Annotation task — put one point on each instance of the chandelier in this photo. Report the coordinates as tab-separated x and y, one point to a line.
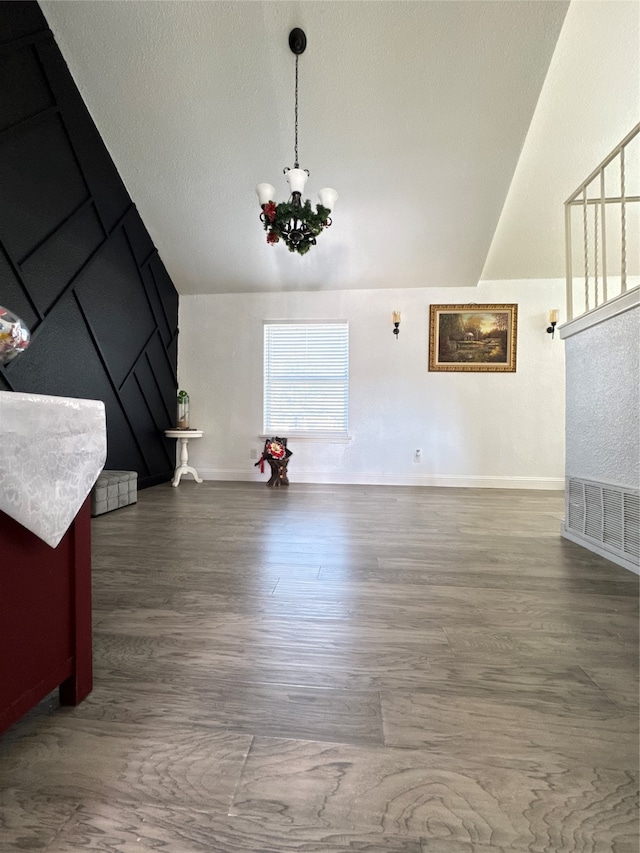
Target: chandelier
295	222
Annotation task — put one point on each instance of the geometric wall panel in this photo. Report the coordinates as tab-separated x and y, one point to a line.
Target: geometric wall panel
165	288
161	368
76	262
112	296
143	424
34	96
13	293
139	239
18	20
107	190
40	183
48	269
157	305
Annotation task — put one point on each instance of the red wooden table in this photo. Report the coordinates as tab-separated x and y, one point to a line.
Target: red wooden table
45	616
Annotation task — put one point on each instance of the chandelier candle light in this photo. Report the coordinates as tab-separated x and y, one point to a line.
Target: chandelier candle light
396	323
295	221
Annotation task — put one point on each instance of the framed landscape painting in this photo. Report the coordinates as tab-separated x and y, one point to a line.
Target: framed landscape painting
473	337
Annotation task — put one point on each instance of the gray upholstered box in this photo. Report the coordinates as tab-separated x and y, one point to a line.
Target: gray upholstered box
114	489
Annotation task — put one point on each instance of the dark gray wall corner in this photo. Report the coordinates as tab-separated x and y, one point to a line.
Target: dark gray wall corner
76	262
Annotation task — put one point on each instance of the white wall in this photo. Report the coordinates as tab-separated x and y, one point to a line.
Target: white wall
474	429
603	401
588	103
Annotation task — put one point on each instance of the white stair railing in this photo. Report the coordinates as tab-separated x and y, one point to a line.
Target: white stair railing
605	211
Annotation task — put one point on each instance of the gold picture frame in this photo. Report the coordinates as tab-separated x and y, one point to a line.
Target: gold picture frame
473	337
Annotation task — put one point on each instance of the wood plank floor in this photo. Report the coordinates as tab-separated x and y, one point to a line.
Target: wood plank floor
340	668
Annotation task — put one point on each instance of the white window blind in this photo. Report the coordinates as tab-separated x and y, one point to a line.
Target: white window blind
306	378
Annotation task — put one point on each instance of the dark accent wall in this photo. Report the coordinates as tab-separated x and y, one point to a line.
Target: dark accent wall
76	262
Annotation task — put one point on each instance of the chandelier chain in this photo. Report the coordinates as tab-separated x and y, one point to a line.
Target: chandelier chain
296	166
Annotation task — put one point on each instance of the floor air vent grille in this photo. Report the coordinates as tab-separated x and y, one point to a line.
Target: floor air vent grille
606	515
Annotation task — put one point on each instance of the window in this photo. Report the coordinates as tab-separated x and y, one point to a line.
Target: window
306	378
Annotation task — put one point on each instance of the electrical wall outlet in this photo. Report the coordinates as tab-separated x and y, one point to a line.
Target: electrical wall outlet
417	455
253	453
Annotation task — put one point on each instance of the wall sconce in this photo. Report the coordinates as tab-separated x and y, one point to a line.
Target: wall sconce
553	320
396	323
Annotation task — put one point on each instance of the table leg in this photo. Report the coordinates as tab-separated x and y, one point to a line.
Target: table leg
184	467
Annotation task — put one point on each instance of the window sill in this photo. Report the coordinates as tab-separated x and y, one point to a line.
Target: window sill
326	437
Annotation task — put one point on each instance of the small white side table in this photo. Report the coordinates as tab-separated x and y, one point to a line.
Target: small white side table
182	436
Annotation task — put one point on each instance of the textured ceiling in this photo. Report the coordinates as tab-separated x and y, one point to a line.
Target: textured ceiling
415	112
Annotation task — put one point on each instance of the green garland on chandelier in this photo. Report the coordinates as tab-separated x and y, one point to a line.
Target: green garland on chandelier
278	216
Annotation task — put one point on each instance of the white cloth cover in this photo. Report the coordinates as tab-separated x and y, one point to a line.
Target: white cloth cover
52	450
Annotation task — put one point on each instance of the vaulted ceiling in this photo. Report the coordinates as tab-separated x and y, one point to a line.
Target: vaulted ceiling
416	112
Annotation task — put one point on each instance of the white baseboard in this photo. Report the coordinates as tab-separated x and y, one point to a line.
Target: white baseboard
602	552
359	479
